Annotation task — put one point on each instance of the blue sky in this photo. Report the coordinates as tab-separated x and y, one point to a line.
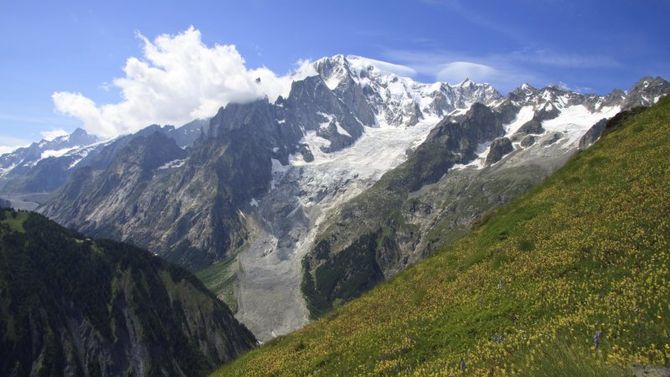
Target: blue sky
80	47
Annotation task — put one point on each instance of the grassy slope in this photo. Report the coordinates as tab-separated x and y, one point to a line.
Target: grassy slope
588	250
220	279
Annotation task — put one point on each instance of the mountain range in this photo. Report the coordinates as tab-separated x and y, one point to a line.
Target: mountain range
287	209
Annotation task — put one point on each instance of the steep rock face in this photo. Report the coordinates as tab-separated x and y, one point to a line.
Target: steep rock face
593	134
312	107
76	307
499	148
191	198
353	95
187	134
135	180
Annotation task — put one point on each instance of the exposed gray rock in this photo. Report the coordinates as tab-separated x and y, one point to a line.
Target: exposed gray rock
187	134
616	97
527	141
593	134
532	127
499	148
309	105
551	139
522	94
646	92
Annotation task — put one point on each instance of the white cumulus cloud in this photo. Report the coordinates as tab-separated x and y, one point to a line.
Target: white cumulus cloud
177	79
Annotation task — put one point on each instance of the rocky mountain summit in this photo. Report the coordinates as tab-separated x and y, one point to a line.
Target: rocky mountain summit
40	167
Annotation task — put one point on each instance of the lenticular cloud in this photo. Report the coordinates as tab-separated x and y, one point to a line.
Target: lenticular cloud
178	79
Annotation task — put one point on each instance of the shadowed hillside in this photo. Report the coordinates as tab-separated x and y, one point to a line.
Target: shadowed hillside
73	306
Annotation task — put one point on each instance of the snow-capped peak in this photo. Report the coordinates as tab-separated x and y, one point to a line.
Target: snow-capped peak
58	146
361	64
467	83
397	99
333	70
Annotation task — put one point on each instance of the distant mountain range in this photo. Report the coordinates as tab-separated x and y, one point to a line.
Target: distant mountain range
307	202
43	167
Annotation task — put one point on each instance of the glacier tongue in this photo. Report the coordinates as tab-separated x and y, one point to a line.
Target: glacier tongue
287	219
524	115
574	121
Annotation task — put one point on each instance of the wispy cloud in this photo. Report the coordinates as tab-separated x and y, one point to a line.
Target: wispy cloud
505	71
529	61
456	71
562	59
454	67
10	143
398	69
479	20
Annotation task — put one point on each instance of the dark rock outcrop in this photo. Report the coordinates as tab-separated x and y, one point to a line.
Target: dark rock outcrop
593	134
532	127
499	148
552	138
527	141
